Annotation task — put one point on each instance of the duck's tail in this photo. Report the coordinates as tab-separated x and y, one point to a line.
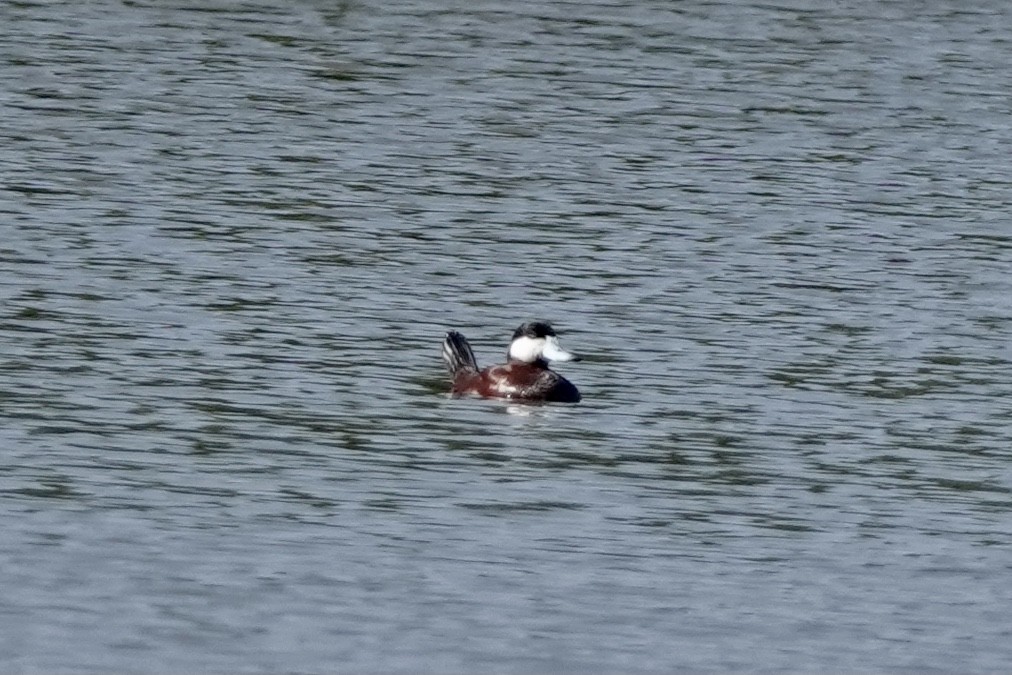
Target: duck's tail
457	353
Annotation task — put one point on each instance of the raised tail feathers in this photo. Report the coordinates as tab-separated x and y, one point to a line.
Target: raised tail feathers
457	353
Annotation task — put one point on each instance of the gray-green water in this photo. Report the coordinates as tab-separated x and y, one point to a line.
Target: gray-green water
232	236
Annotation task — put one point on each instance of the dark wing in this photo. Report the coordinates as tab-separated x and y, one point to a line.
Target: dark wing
531	382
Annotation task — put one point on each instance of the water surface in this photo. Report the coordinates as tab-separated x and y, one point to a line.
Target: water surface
235	233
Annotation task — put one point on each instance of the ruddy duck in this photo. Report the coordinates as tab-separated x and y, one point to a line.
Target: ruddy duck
526	375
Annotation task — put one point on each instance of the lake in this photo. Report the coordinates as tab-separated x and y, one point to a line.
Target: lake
234	235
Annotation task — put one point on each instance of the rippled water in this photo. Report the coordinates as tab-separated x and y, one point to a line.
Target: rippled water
234	235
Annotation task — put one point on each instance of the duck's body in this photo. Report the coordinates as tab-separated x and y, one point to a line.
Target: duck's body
525	376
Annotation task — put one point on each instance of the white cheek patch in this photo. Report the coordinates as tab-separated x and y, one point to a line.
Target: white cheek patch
527	349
